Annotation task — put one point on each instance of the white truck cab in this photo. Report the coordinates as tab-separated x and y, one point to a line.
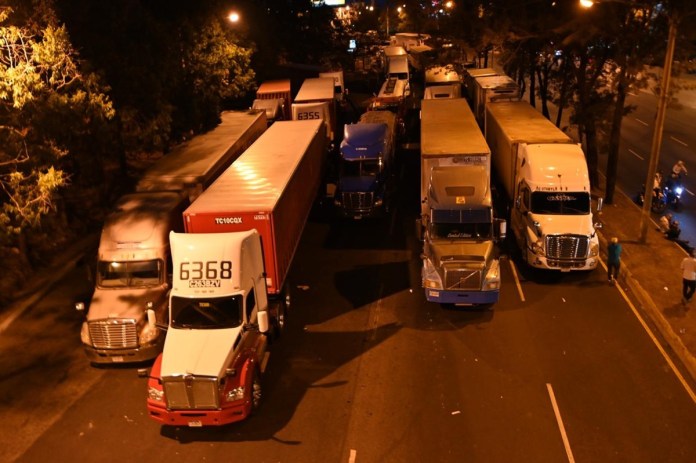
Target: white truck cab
209	370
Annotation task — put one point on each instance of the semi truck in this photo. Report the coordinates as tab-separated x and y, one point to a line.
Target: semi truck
487	89
133	270
132	279
230	270
365	176
278	93
544	174
457	226
339	85
391	97
315	100
475	73
442	82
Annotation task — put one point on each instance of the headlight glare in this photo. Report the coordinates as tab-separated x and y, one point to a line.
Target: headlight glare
155	394
235	394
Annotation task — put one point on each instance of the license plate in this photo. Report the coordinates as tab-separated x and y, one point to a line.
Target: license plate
117	359
195	424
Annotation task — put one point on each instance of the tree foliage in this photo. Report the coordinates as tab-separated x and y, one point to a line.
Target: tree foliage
46	106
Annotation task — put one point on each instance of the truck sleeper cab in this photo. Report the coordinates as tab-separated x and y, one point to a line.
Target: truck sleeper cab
209	371
132	279
365	170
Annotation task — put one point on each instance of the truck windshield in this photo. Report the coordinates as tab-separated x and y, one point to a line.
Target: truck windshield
135	274
367	168
461	231
212	313
566	203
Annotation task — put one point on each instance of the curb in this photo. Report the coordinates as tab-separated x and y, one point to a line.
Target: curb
650	308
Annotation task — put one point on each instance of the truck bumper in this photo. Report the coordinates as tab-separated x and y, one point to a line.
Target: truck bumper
462	297
561	265
198	418
135	355
372	213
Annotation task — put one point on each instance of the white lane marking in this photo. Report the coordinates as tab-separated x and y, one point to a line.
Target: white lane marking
636	154
353	454
642	122
517	280
678	141
559	420
654	339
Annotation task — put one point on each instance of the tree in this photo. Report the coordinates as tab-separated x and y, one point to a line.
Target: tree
47	107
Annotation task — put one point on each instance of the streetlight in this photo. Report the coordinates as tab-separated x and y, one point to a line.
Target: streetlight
233	17
659	120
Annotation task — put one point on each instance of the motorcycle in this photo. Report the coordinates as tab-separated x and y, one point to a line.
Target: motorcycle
672	194
659	200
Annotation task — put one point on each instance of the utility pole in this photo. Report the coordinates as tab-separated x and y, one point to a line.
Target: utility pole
659	126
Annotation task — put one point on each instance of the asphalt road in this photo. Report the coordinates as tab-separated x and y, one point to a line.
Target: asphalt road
678	142
368	371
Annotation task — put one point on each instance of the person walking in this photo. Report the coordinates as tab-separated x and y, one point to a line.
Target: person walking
614	259
688	268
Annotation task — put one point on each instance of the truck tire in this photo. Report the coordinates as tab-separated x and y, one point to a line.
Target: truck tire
255	390
279	320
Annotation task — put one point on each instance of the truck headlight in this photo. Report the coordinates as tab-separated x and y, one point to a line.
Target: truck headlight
84	334
337	202
378	202
492	280
431	279
148	334
235	394
538	248
155	394
594	249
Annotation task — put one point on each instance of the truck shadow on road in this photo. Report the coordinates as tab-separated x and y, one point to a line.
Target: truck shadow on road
300	366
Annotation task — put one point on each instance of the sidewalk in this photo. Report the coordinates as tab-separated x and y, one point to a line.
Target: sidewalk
651	273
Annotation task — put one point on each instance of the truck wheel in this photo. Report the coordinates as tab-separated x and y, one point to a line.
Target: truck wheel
279	320
256	390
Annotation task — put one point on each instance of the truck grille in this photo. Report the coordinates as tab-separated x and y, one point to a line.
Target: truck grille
457	278
357	201
191	392
567	246
113	334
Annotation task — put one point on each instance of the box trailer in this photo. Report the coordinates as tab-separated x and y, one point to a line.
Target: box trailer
315	100
193	165
270	188
277	90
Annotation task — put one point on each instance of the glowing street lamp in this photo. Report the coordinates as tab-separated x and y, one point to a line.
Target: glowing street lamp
233	17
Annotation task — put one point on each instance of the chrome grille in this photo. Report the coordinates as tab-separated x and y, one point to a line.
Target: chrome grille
567	246
113	333
191	392
457	278
357	201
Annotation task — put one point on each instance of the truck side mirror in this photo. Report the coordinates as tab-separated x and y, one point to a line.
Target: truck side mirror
262	318
501	228
600	204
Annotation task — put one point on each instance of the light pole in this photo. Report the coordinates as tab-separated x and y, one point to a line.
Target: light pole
659	120
659	126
